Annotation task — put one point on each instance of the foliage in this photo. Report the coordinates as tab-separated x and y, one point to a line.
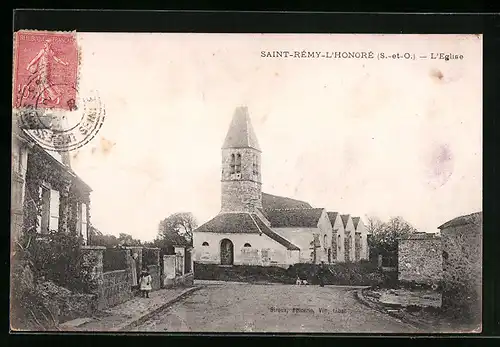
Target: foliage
177	228
114	259
97	238
362	273
49	256
384	235
359	273
150	256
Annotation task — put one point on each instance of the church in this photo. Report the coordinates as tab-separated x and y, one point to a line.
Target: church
255	228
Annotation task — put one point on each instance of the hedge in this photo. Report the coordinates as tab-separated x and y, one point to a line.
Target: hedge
362	273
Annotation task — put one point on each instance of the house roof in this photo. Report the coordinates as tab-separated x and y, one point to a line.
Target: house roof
345	219
473	218
241	133
295	217
279	202
243	223
355	221
231	223
332	216
273	235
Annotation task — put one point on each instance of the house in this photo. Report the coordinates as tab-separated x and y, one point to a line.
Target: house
462	240
420	259
256	228
45	178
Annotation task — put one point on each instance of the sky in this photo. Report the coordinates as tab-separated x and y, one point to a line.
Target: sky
358	136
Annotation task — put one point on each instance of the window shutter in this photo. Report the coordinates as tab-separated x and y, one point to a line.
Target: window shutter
54	210
84	222
39	217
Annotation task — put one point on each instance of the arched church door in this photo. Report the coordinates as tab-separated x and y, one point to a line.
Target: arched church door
226	252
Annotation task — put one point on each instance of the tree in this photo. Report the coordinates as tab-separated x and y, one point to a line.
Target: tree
128	240
384	236
177	225
97	238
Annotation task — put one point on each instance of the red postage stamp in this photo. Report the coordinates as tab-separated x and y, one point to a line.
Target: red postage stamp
45	70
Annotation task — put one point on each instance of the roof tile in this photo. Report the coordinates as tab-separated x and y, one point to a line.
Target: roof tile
295	217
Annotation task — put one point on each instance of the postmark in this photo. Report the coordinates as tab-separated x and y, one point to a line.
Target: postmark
64	130
45	69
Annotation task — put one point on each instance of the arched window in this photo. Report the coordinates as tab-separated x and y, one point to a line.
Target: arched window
232	164
324	240
204	243
238	163
247	245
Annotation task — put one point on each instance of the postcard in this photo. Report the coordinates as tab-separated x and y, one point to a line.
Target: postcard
237	183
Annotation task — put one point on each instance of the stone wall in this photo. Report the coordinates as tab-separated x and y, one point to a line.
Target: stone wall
242	196
116	287
462	269
420	261
109	288
186	280
247	155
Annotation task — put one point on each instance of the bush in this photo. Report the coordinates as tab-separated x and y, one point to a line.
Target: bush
362	273
149	256
242	273
56	257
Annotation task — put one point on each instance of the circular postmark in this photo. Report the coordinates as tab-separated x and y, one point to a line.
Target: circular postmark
63	128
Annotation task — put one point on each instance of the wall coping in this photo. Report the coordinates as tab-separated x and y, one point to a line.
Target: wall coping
94	247
114	271
155	248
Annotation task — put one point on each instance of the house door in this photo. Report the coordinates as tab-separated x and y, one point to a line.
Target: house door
226	252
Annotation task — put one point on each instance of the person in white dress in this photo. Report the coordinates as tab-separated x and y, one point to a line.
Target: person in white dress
145	283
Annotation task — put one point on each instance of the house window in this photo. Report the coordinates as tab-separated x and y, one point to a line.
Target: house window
232	164
247	245
238	163
49	218
54	210
205	244
82	221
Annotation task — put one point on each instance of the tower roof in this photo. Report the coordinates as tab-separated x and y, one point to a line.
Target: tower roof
241	133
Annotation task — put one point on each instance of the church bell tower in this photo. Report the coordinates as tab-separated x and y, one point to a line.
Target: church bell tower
241	181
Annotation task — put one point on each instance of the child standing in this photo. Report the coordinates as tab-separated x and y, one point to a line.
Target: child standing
145	283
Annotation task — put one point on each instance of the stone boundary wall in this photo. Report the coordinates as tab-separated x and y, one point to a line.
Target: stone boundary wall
420	261
116	287
109	288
